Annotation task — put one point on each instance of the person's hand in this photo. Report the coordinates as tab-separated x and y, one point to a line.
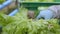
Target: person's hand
46	14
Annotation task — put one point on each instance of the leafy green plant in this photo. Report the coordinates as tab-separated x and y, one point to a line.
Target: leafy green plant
5	19
1	1
23	25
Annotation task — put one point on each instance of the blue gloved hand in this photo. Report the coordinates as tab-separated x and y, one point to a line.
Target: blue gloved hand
46	14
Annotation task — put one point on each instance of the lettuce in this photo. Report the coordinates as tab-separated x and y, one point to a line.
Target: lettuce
1	1
22	25
5	19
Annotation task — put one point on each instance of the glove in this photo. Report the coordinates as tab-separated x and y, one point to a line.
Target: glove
46	14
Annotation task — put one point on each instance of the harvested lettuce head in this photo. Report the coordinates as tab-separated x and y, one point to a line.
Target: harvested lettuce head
28	26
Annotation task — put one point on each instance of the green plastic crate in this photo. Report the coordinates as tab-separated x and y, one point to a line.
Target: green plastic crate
57	0
39	0
35	5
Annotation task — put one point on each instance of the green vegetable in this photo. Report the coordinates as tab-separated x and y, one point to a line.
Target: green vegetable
23	25
4	19
1	1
